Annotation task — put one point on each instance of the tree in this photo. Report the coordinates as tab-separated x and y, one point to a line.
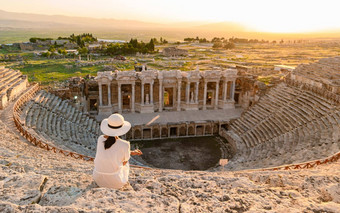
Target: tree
151	45
155	41
134	42
83	51
62	52
217	45
229	45
216	40
203	40
35	39
46	54
52	49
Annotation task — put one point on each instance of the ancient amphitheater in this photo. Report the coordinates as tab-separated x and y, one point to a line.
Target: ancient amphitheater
12	83
285	154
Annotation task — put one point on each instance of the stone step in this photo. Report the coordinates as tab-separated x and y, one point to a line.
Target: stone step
5	78
3	71
11	83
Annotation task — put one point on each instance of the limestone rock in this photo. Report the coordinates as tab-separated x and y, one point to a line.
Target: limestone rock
22	189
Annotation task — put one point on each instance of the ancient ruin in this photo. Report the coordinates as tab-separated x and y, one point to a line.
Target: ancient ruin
58	122
294	121
174	52
281	127
297	120
156	91
12	83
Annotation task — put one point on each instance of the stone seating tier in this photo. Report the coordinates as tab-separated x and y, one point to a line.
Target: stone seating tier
7	75
61	124
10	82
287	125
324	70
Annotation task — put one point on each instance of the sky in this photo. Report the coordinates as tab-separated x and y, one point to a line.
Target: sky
282	16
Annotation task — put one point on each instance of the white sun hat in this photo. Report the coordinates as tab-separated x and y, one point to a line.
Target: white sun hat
115	125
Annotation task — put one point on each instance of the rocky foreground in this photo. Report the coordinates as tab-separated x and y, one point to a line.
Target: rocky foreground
35	180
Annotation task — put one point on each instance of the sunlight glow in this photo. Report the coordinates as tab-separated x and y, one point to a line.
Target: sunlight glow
262	15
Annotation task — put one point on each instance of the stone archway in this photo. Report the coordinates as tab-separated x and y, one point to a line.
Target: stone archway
146	133
137	134
191	130
182	131
216	129
155	133
129	135
164	132
199	130
207	130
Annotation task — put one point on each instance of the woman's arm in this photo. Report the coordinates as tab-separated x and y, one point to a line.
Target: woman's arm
136	152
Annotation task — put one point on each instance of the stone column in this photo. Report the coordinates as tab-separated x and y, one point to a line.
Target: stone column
100	94
196	92
119	98
160	131
151	92
160	96
109	94
225	87
142	91
187	93
205	96
233	90
133	98
179	95
216	94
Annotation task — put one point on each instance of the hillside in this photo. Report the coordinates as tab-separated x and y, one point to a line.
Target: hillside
26	20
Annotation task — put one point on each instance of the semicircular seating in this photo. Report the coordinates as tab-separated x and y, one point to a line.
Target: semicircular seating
61	124
287	125
12	83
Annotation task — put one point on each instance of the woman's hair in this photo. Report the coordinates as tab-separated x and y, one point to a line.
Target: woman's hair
109	142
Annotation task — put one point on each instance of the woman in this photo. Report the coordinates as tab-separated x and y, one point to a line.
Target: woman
111	166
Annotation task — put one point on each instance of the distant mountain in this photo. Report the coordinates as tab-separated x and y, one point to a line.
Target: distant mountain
36	21
16	27
26	20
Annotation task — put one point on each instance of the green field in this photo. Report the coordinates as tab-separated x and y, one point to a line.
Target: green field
56	70
47	71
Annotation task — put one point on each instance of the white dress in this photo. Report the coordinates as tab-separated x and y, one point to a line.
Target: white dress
108	165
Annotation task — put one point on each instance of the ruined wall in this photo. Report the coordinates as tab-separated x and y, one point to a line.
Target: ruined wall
173	52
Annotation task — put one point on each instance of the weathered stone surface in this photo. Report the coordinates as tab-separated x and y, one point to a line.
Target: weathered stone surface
60	196
22	188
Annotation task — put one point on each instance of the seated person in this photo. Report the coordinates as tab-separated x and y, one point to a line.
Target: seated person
111	166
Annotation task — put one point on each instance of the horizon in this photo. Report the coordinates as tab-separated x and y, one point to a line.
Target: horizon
260	16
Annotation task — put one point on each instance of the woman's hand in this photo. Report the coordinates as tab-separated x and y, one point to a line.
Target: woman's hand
136	152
